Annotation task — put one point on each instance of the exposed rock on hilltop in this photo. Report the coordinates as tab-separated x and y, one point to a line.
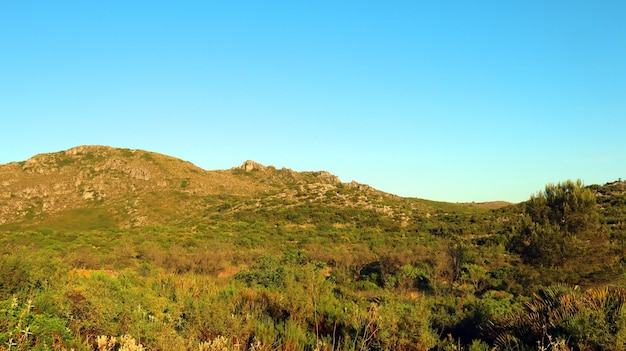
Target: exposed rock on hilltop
355	185
322	176
251	165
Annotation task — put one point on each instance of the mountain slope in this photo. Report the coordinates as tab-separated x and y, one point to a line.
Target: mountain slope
128	186
91	187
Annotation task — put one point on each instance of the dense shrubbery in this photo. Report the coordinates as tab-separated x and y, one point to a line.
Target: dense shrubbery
313	278
561	231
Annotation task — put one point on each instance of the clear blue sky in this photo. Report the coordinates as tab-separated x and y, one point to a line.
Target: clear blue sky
444	100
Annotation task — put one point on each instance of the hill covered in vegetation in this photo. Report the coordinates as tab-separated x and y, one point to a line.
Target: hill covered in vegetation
104	248
126	188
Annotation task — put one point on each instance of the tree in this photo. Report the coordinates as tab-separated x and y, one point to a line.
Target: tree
561	229
569	205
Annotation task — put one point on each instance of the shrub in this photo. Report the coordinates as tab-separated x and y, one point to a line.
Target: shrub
25	329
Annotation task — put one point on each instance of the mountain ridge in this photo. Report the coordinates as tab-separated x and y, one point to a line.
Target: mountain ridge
129	187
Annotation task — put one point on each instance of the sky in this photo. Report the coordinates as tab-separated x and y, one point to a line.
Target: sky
444	100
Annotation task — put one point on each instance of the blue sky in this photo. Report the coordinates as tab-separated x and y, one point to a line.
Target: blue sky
444	100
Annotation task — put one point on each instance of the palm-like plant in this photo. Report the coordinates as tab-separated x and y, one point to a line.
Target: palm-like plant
562	315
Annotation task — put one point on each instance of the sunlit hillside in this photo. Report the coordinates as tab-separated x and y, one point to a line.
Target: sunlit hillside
117	249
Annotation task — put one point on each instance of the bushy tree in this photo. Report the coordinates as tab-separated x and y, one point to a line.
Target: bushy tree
561	229
569	205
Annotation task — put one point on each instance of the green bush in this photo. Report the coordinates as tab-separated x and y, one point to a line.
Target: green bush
22	328
15	275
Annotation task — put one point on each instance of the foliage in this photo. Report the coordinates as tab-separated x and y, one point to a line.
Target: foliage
561	231
585	320
22	328
329	267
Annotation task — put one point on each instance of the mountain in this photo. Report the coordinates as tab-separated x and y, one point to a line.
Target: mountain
92	187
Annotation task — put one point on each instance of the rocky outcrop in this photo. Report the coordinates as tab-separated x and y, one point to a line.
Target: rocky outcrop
327	177
358	186
250	165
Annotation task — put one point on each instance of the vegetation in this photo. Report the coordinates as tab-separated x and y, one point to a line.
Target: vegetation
561	232
306	265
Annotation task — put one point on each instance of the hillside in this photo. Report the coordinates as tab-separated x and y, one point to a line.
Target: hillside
90	187
104	248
